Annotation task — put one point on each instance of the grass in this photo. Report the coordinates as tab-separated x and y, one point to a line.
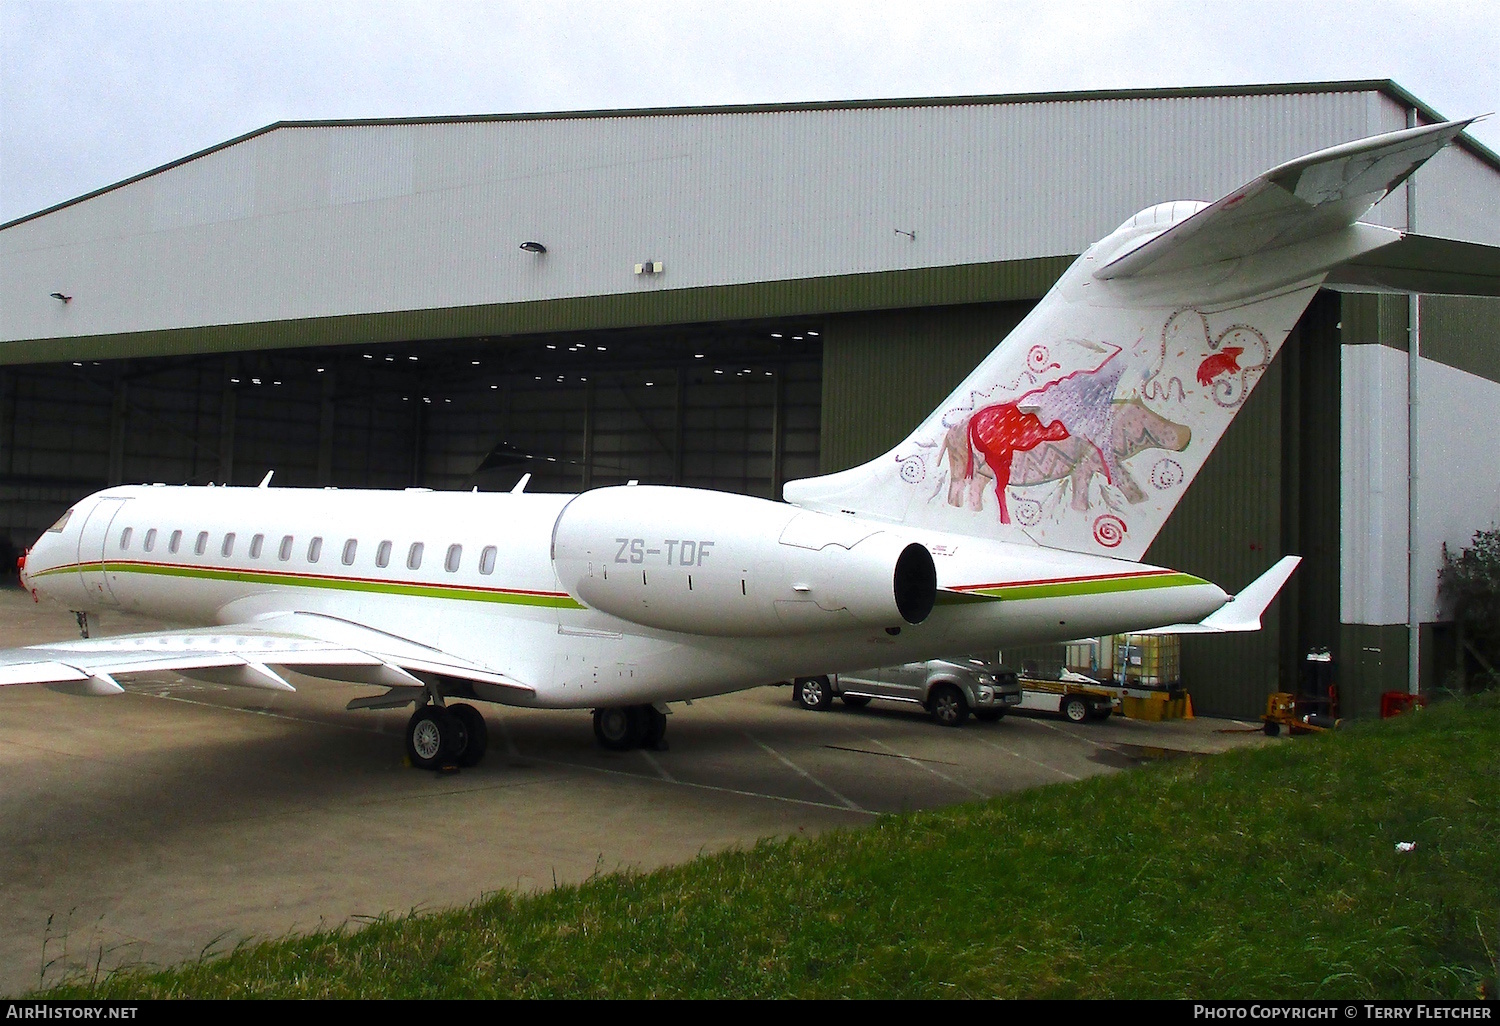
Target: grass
1262	873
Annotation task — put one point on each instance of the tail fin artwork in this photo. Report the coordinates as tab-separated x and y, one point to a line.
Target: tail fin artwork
1085	427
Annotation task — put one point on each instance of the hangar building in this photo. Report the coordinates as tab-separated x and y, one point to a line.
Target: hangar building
735	297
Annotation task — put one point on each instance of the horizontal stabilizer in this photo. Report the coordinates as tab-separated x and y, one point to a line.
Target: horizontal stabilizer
1294	202
1243	612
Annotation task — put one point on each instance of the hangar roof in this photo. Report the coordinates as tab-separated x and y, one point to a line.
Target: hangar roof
308	233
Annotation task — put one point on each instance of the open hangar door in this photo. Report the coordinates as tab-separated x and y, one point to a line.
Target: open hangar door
731	406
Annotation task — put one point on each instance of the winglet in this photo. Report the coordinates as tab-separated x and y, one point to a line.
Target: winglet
265	482
1243	612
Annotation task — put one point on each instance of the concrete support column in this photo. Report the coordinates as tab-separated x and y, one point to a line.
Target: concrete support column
8	386
119	417
678	413
326	421
1413	359
777	431
226	424
588	435
418	439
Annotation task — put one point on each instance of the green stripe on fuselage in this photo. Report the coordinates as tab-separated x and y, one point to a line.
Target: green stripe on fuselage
1061	589
290	580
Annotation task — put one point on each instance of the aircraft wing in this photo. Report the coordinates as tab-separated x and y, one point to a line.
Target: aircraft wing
1294	202
246	655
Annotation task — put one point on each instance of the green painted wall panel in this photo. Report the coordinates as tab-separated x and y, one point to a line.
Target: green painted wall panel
883	373
1463	332
1371	319
1459	331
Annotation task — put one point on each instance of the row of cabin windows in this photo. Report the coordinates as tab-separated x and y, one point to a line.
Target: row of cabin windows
451	561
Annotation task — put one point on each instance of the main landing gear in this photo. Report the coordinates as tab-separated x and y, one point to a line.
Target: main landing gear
623	727
446	738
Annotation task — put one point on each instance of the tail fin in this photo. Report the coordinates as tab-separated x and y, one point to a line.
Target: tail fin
1084	428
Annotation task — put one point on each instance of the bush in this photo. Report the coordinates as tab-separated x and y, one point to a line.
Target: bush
1472	583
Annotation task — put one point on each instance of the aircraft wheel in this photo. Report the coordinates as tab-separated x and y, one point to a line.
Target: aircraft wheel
619	728
1075	709
434	738
476	734
655	734
947	705
855	701
989	715
813	693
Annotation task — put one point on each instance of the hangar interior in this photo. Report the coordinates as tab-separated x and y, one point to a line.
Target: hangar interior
219	357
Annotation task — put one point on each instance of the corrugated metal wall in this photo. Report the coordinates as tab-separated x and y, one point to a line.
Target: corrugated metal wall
339	221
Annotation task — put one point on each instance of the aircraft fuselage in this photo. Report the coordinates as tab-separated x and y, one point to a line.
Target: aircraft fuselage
484	576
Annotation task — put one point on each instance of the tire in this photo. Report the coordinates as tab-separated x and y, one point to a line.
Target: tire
989	715
947	706
1075	708
655	734
476	734
619	728
1272	729
813	693
855	701
434	738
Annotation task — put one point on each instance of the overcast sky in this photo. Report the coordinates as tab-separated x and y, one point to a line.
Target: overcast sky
94	92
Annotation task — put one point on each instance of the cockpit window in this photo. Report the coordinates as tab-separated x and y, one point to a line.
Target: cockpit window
62	522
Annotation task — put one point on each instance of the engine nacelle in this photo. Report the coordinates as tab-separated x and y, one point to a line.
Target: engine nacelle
702	562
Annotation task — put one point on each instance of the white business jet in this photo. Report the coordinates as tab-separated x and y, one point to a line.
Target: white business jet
1015	513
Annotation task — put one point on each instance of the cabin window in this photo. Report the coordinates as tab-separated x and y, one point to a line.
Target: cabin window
314	550
285	552
150	542
350	547
201	545
175	542
487	560
125	539
62	522
383	554
414	556
228	547
255	545
451	561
